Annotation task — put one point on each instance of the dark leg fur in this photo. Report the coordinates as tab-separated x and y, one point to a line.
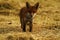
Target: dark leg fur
30	25
24	27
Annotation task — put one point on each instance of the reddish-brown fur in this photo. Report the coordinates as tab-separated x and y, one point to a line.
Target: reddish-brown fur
27	11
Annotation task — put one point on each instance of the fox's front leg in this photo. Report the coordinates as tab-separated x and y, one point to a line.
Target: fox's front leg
30	25
24	27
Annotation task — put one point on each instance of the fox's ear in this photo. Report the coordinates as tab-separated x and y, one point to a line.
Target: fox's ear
27	5
36	5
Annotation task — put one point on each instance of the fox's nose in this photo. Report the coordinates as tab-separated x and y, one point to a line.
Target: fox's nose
28	16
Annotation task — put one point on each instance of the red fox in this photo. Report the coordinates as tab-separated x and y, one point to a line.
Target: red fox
26	14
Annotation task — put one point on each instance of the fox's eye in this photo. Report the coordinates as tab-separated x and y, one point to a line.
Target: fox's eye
34	11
